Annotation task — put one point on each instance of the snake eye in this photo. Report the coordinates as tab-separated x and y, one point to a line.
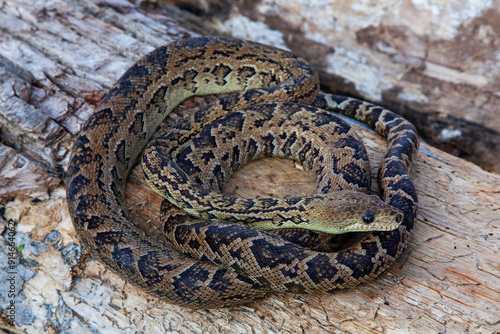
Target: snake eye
368	218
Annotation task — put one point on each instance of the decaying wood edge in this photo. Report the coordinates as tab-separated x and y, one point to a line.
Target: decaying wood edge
58	58
434	64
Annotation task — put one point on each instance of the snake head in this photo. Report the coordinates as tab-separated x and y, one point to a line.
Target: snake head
349	211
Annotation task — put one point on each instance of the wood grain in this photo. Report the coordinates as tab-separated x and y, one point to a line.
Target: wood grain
58	58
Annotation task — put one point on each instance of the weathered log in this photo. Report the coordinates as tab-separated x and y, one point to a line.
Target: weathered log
57	59
436	63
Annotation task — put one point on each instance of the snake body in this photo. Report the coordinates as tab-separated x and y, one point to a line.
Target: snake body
117	132
192	178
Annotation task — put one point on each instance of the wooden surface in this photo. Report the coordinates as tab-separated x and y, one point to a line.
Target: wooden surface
435	62
58	58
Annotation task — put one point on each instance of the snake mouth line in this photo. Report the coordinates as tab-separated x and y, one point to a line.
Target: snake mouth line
381	228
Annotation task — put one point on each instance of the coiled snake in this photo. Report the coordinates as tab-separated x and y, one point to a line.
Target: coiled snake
259	262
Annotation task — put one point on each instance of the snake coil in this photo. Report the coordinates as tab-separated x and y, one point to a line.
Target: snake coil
114	136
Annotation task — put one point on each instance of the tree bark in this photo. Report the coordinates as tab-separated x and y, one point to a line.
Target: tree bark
436	63
57	60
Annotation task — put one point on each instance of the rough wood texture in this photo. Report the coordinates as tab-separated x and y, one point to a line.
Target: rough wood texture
57	59
435	62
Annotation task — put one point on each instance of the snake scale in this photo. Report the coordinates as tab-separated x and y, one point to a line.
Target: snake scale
261	77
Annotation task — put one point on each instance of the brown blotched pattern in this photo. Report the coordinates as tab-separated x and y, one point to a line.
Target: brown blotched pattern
114	136
302	132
